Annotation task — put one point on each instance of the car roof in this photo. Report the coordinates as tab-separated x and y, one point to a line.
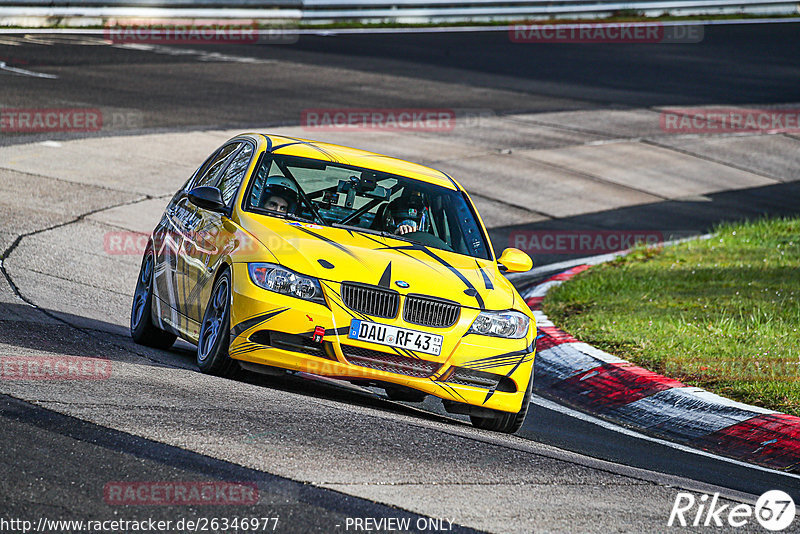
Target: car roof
294	146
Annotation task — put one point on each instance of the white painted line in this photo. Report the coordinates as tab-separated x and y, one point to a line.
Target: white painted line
560	362
594	352
554	268
680	412
713	398
52	144
29	12
542	289
550	405
16	70
227	14
199	53
506	28
541	319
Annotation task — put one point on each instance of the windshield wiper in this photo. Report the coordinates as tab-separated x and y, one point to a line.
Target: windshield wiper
290	216
382	233
399	237
358	228
294	217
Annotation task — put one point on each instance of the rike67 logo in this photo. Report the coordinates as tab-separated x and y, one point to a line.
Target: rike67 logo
774	510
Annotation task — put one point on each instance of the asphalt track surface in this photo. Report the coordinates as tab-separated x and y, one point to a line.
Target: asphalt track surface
750	64
321	453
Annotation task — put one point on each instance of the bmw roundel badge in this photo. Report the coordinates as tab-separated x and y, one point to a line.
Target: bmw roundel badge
402	284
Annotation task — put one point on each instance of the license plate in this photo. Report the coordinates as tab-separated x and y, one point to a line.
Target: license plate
384	334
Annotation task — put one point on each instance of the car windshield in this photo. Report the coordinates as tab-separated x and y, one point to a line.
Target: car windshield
367	200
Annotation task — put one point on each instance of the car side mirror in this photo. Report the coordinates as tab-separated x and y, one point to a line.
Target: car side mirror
208	198
513	260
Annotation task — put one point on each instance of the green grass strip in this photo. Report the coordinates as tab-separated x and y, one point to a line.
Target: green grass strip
722	313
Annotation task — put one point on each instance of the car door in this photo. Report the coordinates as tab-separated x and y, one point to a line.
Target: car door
213	237
168	241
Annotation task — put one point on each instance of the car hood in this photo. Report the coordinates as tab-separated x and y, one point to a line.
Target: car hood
338	255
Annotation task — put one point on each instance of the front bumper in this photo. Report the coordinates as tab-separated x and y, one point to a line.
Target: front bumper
277	330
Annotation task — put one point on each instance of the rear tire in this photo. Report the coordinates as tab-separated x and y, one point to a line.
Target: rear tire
215	331
505	422
143	330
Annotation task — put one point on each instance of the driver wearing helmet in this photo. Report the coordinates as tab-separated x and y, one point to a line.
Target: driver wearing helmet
408	213
279	194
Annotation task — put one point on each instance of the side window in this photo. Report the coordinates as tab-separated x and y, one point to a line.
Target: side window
199	172
209	175
267	168
235	172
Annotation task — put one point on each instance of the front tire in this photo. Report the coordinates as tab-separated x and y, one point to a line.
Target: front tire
143	330
505	422
215	331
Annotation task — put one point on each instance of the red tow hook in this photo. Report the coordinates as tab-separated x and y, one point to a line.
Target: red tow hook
319	332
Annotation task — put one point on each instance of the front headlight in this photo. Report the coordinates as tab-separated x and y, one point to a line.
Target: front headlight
285	281
509	324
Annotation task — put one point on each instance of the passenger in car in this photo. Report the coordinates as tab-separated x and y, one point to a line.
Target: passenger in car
408	213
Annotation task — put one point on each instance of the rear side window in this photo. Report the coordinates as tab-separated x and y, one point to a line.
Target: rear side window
210	174
235	172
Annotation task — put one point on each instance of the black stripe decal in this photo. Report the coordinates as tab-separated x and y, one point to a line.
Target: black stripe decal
403	252
486	281
352	313
330	242
406	353
504	363
253	321
312	145
449	389
245	350
341	331
488	365
506	355
452	269
530	348
386	277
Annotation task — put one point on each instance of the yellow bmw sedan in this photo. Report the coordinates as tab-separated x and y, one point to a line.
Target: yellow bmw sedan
283	254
